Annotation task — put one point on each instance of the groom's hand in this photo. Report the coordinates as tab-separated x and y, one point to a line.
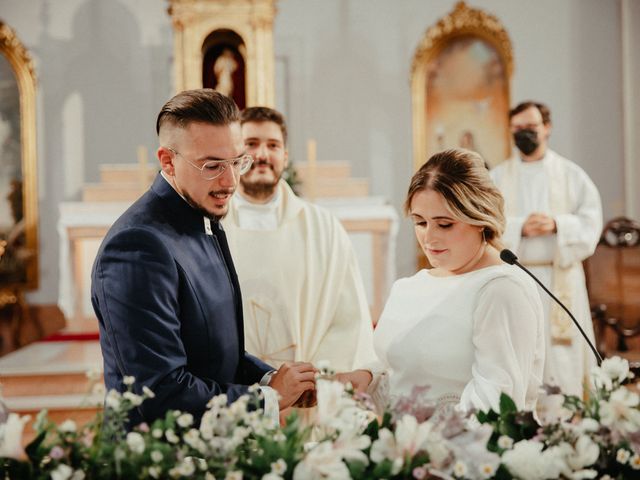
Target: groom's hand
291	380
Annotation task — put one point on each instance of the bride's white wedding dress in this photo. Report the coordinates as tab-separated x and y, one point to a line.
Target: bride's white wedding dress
469	337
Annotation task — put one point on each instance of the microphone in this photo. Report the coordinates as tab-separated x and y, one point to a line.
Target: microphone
509	257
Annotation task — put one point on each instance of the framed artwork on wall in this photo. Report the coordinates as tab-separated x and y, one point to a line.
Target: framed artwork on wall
460	87
18	177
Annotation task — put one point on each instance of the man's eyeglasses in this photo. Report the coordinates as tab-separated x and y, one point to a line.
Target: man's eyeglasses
214	168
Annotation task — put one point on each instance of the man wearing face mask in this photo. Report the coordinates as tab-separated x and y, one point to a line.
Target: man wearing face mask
554	221
301	287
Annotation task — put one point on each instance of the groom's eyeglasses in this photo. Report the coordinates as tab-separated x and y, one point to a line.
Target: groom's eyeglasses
214	168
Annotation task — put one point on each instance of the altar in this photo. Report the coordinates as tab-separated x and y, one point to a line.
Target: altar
371	223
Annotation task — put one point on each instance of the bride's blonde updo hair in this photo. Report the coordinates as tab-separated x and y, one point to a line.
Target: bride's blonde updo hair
462	179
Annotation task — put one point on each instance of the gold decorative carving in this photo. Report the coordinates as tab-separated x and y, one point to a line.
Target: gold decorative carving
463	24
252	20
26	229
10	41
463	21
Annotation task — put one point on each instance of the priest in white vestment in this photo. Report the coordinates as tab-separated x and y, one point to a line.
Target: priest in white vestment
554	222
302	293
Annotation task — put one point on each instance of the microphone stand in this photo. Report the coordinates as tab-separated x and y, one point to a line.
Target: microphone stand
509	257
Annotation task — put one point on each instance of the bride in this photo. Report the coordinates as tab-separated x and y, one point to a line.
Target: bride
471	326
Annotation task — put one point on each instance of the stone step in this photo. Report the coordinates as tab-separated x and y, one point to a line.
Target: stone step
337	187
44	384
79	408
50	368
124	173
326	169
112	192
53	376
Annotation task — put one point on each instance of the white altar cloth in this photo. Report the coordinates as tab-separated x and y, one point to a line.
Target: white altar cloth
372	225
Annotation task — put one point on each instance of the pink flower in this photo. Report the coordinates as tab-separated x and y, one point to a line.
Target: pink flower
56	452
419	473
144	427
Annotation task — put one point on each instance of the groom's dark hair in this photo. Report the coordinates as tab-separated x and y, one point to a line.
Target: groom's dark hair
204	105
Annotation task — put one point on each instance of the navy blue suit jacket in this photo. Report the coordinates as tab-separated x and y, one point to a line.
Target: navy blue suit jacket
168	302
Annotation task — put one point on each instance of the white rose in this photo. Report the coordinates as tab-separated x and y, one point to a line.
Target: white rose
68	426
113	399
156	456
185	420
62	472
154	472
135	400
11	436
135	441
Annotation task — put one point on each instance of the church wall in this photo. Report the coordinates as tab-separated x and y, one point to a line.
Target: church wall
352	60
343	67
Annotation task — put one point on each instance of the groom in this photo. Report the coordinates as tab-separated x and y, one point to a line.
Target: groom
164	287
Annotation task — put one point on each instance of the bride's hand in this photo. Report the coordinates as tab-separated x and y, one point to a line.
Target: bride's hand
359	379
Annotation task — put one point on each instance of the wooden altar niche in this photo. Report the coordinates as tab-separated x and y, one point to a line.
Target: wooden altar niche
460	81
234	35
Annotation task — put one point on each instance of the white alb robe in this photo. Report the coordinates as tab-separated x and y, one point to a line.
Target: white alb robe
561	189
302	292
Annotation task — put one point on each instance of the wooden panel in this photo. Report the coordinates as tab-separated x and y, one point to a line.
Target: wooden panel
125	173
339	187
613	279
106	192
324	170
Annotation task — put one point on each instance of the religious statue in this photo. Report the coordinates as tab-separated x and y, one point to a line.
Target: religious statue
223	69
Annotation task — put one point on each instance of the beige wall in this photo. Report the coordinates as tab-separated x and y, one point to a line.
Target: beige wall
104	70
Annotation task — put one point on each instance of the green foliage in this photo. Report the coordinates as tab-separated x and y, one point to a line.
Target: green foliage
581	439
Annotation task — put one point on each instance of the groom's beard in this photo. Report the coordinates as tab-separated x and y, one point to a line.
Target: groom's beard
203	211
260	189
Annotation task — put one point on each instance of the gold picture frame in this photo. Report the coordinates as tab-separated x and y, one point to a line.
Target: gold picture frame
18	177
448	109
194	22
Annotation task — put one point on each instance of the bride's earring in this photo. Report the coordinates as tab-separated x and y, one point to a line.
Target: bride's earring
484	236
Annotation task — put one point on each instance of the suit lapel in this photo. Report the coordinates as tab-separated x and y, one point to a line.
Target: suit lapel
226	254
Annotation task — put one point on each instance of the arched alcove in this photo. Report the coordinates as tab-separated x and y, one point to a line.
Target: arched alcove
224	64
198	23
460	85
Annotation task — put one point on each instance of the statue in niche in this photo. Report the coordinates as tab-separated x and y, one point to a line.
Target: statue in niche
223	69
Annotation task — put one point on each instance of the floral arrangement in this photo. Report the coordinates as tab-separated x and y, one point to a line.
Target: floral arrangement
566	438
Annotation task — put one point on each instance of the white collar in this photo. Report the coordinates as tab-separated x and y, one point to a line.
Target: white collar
258	216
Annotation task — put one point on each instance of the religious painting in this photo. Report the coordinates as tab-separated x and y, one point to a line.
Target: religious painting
18	194
223	66
466	106
460	80
11	201
460	87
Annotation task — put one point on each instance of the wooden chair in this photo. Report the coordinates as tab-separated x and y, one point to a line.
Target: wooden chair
613	283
